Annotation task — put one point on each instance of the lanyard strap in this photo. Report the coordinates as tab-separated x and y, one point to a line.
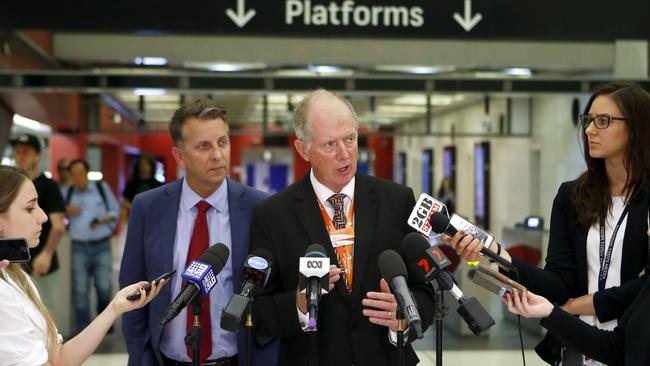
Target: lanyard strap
605	260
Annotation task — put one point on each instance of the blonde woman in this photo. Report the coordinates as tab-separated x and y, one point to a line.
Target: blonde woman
27	333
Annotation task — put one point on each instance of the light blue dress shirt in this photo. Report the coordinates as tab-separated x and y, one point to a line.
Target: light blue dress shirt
224	343
92	206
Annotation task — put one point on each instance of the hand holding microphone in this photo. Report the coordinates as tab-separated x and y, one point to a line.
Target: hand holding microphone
468	246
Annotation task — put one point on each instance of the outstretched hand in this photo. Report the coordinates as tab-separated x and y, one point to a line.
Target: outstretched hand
121	304
466	246
4	264
527	304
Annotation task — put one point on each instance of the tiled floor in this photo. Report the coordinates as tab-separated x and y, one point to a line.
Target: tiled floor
466	357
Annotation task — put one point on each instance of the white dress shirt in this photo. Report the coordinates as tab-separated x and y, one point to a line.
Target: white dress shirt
23	330
593	259
224	343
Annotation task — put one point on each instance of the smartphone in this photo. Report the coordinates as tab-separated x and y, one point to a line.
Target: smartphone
468	228
136	294
15	250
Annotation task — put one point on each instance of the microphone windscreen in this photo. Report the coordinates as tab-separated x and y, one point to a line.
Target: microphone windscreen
315	250
263	253
391	265
413	245
439	222
216	256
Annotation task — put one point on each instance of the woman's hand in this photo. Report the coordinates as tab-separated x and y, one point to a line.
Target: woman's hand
4	264
466	246
121	304
527	304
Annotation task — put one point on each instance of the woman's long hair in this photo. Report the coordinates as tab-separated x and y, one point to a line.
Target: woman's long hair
11	180
592	195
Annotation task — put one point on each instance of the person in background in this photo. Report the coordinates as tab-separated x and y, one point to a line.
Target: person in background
142	180
597	240
63	169
44	263
93	211
447	195
27	332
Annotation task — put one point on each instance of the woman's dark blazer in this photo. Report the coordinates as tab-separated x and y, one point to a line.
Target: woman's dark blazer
628	344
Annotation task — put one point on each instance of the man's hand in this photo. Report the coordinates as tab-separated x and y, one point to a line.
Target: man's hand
381	307
301	300
42	263
71	210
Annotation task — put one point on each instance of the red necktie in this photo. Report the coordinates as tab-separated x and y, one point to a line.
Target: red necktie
198	245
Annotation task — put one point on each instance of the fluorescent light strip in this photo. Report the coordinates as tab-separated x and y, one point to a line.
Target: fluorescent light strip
31	124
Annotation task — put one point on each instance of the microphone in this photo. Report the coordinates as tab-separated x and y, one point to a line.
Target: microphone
393	270
201	277
314	280
420	218
443	225
475	316
429	263
424	260
257	270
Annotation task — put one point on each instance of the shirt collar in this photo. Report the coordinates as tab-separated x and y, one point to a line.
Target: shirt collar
323	193
218	199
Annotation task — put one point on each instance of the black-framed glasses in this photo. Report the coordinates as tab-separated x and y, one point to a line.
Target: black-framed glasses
601	121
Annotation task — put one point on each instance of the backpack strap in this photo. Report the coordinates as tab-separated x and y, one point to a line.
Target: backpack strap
100	188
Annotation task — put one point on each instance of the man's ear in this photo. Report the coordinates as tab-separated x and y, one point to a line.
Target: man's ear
178	156
302	150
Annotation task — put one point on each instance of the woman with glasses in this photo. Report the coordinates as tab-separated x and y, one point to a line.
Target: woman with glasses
27	332
598	227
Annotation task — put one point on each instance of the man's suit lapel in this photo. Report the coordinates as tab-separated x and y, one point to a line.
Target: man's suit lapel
163	229
366	203
309	215
238	229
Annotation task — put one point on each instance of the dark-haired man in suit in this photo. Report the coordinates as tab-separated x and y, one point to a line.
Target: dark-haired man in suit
171	225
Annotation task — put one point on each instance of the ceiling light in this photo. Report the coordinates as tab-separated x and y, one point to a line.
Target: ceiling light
31	125
518	71
225	66
150	61
324	69
414	69
149	91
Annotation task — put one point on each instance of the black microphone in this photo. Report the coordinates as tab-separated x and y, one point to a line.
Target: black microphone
314	269
393	270
201	277
440	224
257	270
429	263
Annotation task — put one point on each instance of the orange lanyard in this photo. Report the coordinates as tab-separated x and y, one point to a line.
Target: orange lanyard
344	253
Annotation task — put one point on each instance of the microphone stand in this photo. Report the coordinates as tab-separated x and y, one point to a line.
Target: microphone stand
193	339
439	314
249	334
313	346
401	327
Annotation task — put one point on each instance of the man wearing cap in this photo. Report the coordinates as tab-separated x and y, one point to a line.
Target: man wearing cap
44	263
